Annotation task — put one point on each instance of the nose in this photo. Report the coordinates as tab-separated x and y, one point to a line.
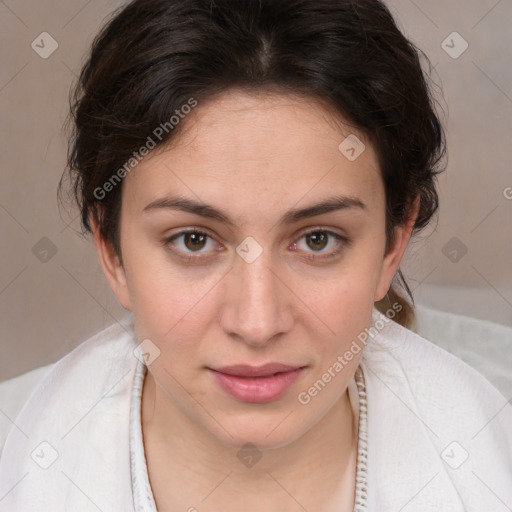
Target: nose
258	303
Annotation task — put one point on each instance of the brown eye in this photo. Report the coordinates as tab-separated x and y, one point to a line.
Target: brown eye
317	240
321	244
194	241
190	244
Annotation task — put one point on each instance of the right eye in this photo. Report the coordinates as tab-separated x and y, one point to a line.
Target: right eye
186	244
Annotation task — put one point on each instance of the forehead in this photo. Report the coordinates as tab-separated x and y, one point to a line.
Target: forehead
246	143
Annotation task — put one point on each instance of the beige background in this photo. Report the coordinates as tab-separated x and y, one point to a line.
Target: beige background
49	307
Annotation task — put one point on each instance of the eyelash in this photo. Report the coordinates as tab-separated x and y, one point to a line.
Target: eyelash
342	243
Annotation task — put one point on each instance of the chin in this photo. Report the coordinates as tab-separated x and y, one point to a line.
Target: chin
262	435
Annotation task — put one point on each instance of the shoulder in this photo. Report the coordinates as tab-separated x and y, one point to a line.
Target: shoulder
438	381
84	367
74	421
428	366
425	404
14	393
484	345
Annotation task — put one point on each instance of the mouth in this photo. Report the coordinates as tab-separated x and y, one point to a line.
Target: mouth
256	384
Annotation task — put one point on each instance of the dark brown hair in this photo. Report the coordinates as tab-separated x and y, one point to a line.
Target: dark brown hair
153	56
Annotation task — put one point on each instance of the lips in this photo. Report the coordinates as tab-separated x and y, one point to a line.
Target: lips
257	384
267	370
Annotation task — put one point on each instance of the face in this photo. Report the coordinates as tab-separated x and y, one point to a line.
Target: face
249	268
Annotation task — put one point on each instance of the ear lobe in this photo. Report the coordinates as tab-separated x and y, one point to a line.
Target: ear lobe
111	266
392	259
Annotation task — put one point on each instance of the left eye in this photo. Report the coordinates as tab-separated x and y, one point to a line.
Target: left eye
318	240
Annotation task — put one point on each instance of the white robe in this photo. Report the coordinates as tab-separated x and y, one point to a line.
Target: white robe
439	434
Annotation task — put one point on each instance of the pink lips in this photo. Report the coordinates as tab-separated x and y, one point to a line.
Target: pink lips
256	384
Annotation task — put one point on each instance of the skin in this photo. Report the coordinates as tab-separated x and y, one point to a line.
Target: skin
254	156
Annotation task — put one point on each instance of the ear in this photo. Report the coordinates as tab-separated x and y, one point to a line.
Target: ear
392	259
112	267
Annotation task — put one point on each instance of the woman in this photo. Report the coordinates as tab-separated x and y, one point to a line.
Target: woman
252	173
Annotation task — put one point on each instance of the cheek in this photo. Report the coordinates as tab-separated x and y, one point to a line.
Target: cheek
155	298
163	304
345	302
171	306
346	311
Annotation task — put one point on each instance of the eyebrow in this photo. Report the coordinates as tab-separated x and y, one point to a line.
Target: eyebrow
330	204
